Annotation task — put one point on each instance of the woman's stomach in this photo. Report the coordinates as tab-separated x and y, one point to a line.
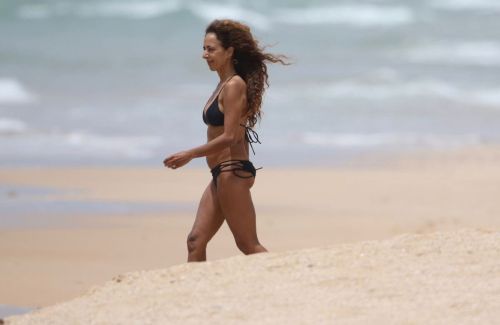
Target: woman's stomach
237	151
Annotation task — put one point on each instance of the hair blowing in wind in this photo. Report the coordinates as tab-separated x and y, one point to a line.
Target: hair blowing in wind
249	61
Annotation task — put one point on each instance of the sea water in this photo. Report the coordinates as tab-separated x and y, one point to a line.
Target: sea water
123	82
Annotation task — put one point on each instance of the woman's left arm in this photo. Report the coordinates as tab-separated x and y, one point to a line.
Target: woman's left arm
234	102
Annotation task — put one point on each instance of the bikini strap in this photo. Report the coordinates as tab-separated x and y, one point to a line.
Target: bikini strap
216	94
225	83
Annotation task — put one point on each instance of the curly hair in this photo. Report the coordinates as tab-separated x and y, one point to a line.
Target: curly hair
249	61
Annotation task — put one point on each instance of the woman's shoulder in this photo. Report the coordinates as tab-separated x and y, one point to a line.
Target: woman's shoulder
235	86
236	83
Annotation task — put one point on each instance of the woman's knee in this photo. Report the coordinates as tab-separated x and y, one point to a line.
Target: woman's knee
195	242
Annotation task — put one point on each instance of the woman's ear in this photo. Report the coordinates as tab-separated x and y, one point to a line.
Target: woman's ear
230	51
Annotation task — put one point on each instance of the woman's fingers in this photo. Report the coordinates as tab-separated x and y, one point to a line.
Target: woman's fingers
177	160
168	161
173	162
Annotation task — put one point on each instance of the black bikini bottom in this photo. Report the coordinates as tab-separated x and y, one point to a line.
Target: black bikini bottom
235	166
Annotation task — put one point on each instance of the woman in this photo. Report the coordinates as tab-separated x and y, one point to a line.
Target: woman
230	114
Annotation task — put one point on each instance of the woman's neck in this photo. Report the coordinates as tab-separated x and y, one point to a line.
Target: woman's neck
226	72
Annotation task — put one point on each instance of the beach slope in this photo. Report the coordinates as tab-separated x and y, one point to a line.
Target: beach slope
450	277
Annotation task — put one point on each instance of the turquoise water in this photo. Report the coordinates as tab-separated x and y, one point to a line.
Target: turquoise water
123	82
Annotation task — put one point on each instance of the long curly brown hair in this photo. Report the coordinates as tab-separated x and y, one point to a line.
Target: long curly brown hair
249	61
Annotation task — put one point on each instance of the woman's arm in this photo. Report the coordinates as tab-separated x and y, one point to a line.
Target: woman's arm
234	102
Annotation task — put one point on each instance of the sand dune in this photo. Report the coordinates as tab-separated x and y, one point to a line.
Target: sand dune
444	277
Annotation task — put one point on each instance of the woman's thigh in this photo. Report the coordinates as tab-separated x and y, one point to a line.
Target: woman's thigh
209	216
236	204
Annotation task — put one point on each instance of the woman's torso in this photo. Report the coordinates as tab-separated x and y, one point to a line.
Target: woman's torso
238	150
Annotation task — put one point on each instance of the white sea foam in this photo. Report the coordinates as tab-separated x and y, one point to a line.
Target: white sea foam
211	11
380	90
134	9
486	53
144	10
466	4
34	11
13	92
140	147
10	126
367	140
362	15
488	97
124	9
388	90
78	146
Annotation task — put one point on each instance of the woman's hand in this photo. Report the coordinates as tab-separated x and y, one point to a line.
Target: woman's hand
178	160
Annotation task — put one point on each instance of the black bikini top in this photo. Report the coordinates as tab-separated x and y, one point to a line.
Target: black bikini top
213	116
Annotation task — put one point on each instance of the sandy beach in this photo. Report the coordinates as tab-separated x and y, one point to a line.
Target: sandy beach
439	278
297	208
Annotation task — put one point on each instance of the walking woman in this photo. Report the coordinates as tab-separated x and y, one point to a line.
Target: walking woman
230	114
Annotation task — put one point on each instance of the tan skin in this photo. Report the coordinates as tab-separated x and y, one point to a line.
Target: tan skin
231	199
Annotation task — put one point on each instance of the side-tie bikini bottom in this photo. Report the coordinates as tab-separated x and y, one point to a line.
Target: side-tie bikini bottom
240	168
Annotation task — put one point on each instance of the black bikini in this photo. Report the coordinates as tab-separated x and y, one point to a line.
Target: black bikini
235	166
213	116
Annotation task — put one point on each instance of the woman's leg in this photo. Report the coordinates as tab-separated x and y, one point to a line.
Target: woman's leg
208	220
236	203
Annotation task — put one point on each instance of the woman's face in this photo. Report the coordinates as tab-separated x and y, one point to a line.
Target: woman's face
215	54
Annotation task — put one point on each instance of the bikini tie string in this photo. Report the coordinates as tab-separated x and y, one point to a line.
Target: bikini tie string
251	136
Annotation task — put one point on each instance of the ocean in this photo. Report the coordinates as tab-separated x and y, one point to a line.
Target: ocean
122	82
